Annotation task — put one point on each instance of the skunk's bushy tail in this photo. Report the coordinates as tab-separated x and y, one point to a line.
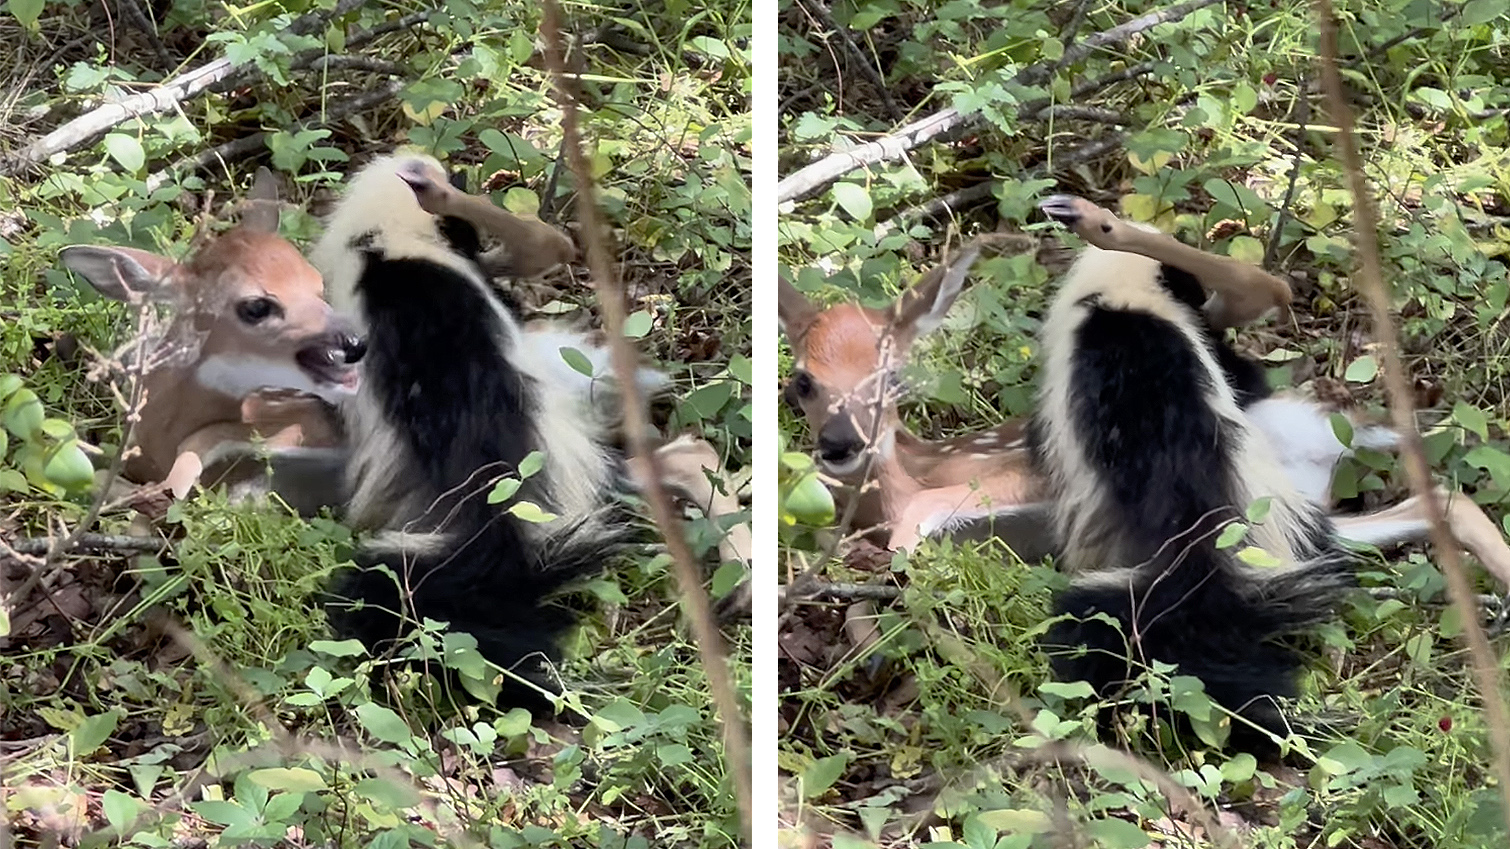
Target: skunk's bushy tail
496	584
1206	612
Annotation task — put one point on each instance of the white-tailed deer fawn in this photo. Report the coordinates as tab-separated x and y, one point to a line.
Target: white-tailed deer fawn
847	359
247	314
846	380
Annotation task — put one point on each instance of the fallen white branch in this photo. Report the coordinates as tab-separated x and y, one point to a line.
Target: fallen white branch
811	178
102	119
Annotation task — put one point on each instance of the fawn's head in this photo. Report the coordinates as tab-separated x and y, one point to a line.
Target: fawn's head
846	378
252	306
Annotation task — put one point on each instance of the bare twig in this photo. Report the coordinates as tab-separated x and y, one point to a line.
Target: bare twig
813	177
1074	112
1371	281
116	543
96	122
710	644
849	592
1302	118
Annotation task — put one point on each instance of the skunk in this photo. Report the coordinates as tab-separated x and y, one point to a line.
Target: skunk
1142	435
454	397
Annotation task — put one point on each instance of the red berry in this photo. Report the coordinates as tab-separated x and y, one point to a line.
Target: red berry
1445	723
1271	78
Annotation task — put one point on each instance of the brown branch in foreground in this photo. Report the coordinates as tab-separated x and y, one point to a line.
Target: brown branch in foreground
710	644
813	177
1370	280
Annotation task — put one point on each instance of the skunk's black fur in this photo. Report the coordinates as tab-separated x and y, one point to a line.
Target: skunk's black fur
449	408
1141	433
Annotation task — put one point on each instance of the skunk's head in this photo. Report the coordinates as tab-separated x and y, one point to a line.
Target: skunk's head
380	214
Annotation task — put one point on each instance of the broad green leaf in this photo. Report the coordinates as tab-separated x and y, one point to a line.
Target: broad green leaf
1017	821
854	199
338	648
529	511
26	11
578	361
1476	12
504	490
1117	834
386	792
9	383
1247	249
638	324
674	754
1342	428
532	463
821	774
706	401
126	151
1258	511
93	732
120	810
1362	370
23	413
294	779
69	467
810	503
383	723
1231	535
1472	418
1258	558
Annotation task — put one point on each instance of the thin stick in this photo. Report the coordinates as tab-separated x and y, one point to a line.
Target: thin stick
1371	280
710	644
92	542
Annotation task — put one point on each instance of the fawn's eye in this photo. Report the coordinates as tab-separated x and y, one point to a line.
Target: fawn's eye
257	310
802	385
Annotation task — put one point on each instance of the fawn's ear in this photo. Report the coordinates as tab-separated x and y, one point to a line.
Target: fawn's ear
123	274
921	309
794	312
260	211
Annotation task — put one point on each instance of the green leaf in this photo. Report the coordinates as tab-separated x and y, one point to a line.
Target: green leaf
1475	12
532	463
674	754
638	324
1258	558
529	511
1258	511
1241	768
69	467
854	199
821	774
1472	418
120	810
1067	690
294	779
1117	834
224	813
706	401
504	490
577	360
618	715
1231	535
1491	460
810	503
1342	428
338	648
93	732
26	11
9	383
23	414
383	723
126	151
1017	821
386	792
1362	370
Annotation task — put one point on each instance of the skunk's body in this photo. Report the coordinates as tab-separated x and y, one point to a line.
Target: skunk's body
1143	434
454	397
